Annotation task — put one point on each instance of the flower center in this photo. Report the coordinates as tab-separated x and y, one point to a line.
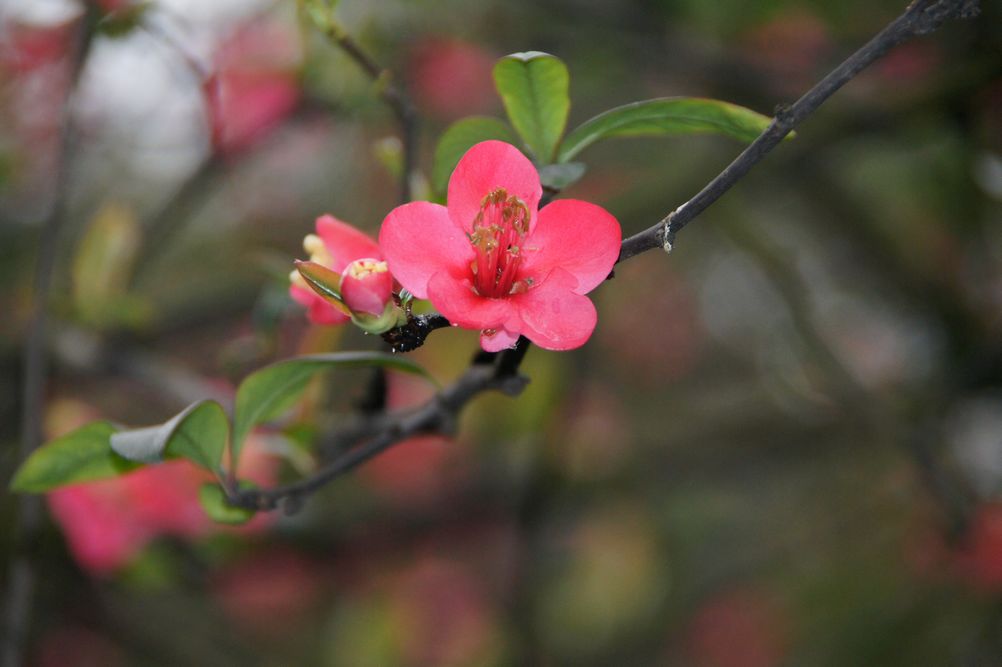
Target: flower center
363	268
498	232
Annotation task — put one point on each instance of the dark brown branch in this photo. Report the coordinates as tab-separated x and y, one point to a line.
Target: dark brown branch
412	335
921	17
440	413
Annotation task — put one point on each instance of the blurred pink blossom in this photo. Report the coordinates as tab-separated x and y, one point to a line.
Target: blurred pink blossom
788	50
444	614
640	355
253	86
738	628
909	63
270	592
452	78
108	523
980	557
418	470
27	48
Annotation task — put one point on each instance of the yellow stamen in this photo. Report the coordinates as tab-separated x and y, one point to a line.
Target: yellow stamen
362	268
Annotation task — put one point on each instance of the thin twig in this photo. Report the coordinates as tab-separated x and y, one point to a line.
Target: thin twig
21	577
921	17
439	414
392	94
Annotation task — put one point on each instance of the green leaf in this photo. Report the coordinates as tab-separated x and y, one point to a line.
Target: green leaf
321	12
214	502
198	433
663	117
270	391
122	21
103	264
560	176
459	138
533	87
323	281
389	151
84	455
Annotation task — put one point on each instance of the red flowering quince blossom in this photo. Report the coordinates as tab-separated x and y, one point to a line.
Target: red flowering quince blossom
366	285
491	261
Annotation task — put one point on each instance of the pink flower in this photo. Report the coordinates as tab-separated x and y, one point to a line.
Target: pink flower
491	261
364	278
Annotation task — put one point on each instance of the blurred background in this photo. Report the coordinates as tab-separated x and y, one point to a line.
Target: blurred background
782	446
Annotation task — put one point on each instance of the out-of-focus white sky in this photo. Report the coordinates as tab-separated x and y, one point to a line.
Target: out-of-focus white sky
139	99
42	12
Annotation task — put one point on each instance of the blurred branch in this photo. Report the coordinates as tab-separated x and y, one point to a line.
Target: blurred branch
78	350
21	576
920	18
390	91
190	195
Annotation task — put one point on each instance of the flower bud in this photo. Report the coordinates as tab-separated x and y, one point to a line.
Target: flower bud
367	286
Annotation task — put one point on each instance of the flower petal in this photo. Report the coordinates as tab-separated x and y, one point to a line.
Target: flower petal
579	237
454	298
554	316
419	240
502	339
345	243
318	310
485	167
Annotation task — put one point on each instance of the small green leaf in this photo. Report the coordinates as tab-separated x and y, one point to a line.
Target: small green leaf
213	500
459	138
122	21
103	264
534	89
84	455
198	433
323	281
321	12
389	151
270	391
663	117
560	176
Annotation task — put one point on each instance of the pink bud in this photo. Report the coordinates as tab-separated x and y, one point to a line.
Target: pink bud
367	286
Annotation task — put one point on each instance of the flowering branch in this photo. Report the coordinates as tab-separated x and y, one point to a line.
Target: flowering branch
499	372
